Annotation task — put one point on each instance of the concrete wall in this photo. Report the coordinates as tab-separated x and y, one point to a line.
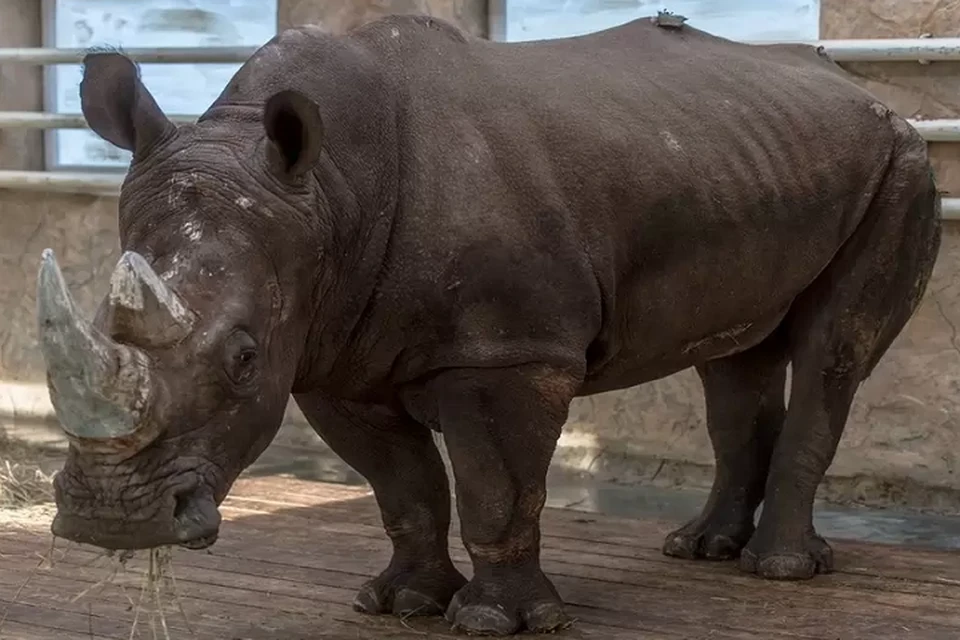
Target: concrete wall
915	91
902	441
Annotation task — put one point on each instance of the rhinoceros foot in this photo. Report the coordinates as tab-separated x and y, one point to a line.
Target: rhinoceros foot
495	608
708	539
411	592
778	562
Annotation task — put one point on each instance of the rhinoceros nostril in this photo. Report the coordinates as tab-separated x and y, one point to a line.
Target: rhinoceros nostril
196	518
182	504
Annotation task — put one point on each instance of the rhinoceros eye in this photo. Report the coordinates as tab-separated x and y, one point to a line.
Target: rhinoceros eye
241	357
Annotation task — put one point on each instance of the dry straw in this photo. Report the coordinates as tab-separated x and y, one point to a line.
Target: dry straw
26	494
22	480
158	589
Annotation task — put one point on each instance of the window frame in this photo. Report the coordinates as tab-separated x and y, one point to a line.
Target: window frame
498	11
51	160
497	20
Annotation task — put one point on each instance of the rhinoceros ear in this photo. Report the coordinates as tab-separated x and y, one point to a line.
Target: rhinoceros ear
117	106
295	132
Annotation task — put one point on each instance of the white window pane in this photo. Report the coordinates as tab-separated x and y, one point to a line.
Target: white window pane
745	20
178	88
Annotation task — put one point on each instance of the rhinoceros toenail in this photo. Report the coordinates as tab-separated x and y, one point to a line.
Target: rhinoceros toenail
480	618
546	617
786	566
748	561
366	600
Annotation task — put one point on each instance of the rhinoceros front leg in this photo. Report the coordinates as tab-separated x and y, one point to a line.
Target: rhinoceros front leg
745	412
501	428
399	459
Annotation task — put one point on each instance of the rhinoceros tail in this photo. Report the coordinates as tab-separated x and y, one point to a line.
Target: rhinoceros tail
917	256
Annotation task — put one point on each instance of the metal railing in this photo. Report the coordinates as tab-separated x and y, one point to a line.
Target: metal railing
166	55
853	50
892	50
93	183
932	130
920	50
108	184
41	120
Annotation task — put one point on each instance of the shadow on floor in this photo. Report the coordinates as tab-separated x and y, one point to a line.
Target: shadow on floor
888	526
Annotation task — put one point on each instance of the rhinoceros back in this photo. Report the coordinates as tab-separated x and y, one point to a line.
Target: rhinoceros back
663	174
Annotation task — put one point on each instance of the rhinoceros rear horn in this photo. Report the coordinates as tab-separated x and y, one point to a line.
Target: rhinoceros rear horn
141	309
100	389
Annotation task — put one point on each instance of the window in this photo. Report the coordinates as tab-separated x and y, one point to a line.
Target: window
745	20
181	89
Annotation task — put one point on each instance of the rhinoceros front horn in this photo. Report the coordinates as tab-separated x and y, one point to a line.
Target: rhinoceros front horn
100	389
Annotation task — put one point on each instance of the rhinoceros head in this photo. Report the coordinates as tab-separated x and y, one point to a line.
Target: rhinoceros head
182	378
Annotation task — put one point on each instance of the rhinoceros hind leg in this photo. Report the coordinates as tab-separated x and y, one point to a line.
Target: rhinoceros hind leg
745	409
400	460
839	328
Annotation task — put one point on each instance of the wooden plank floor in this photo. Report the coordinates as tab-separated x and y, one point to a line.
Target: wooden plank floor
292	554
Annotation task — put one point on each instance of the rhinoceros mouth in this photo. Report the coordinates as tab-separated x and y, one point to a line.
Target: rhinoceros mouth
124	536
198	544
189	518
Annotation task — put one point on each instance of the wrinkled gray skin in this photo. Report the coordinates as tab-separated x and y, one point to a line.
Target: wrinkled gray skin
410	229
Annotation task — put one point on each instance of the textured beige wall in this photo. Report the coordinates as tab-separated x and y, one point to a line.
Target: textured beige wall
903	440
83	232
915	91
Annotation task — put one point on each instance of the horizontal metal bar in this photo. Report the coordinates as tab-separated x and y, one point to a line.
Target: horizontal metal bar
852	50
198	55
37	120
951	208
101	184
931	130
892	49
108	184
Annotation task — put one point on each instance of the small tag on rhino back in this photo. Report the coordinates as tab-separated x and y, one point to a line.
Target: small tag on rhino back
667	20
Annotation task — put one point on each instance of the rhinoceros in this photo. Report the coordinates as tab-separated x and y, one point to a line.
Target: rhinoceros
412	231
